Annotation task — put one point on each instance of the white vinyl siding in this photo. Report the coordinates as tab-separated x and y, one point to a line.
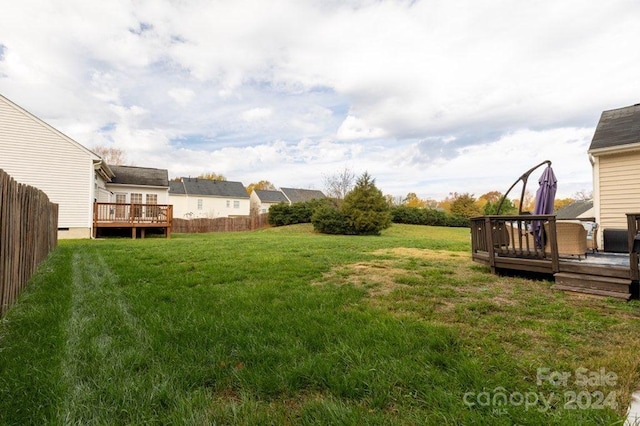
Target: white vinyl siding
186	207
34	153
618	188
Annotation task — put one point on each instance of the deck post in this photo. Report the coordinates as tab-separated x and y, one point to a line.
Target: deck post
94	231
632	231
490	248
553	243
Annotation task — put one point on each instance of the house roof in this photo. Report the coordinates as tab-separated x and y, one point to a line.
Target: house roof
300	195
130	175
206	187
575	209
268	196
617	127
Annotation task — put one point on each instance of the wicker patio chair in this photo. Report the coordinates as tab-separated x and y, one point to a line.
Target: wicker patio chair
571	238
520	239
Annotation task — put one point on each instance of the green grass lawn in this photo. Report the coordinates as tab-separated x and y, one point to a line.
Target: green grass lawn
284	326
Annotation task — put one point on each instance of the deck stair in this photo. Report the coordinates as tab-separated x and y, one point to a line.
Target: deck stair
593	284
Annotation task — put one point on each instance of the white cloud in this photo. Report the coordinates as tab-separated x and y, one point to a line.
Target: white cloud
182	96
355	128
428	96
255	114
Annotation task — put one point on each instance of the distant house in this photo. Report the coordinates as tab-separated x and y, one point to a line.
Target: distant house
577	210
72	176
203	198
138	185
262	199
615	156
295	195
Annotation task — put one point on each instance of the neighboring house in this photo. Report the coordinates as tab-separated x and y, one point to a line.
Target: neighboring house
72	176
138	185
262	200
295	195
580	209
203	198
615	156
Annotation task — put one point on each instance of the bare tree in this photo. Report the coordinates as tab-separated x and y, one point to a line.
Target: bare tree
111	155
583	195
339	184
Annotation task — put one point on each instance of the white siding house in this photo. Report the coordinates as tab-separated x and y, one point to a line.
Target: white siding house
140	185
615	156
201	198
262	199
72	176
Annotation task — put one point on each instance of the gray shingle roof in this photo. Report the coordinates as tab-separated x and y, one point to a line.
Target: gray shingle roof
212	188
131	175
267	196
300	195
575	209
617	127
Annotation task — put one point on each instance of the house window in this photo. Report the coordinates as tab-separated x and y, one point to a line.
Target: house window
199	203
136	199
236	204
121	211
151	211
228	203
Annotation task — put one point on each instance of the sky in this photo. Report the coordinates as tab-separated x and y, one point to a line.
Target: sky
430	97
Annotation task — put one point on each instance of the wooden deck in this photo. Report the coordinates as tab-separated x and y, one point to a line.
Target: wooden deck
137	217
504	243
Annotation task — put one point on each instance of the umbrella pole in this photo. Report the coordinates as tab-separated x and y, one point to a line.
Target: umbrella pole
524	179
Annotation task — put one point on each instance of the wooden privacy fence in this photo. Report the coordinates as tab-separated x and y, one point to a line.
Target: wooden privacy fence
28	232
221	224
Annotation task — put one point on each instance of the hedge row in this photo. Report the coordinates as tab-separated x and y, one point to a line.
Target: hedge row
432	217
285	214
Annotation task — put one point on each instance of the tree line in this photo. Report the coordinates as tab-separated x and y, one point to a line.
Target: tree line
340	183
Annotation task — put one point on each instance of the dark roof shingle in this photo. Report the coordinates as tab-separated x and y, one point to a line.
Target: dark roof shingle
617	127
268	196
574	210
301	195
131	175
206	187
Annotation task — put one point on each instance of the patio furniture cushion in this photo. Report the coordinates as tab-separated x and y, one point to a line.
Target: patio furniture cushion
571	238
520	238
592	235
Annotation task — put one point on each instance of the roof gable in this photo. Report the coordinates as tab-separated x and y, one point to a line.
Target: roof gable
575	209
206	187
296	195
617	127
130	175
269	196
50	128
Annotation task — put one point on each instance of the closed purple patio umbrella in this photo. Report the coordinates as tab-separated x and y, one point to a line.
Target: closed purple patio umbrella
545	197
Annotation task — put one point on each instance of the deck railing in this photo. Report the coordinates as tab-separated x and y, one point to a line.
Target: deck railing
132	215
515	236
